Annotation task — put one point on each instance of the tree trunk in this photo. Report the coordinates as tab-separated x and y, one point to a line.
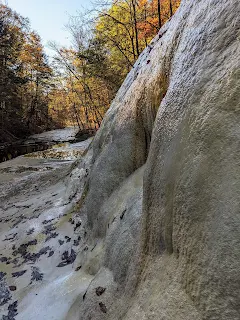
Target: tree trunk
135	26
159	14
170	8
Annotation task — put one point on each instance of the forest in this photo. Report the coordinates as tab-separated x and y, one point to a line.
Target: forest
76	86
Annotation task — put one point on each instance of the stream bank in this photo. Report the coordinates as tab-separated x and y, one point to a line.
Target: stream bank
42	141
38	239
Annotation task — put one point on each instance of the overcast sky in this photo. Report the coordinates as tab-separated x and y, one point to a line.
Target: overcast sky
48	17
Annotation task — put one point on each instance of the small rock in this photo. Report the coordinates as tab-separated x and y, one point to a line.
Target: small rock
103	308
61	242
51	253
100	291
12	288
78	268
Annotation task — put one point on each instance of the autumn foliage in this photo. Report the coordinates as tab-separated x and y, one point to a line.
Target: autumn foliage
24	77
108	41
79	85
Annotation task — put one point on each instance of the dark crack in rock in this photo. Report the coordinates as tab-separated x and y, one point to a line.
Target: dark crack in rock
122	215
18	274
93	247
12	237
47	221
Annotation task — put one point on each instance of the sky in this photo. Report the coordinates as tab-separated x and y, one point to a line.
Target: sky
49	17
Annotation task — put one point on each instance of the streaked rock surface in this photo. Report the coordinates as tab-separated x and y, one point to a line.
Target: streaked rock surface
39	238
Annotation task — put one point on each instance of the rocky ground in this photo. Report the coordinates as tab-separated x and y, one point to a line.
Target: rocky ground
39	239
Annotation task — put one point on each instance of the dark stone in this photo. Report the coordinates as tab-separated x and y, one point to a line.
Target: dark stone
51	253
100	291
78	268
12	288
103	308
61	242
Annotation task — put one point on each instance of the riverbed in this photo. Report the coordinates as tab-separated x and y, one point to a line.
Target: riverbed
38	142
38	239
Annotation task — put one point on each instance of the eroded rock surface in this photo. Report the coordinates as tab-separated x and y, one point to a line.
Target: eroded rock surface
40	239
178	112
146	225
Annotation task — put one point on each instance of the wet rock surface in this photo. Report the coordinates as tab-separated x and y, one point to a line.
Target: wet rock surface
34	230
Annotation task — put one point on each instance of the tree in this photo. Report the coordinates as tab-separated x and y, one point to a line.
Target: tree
107	42
24	77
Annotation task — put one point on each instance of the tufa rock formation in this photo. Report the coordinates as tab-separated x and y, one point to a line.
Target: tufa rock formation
163	191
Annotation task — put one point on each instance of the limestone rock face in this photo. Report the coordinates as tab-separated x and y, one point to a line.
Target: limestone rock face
178	112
